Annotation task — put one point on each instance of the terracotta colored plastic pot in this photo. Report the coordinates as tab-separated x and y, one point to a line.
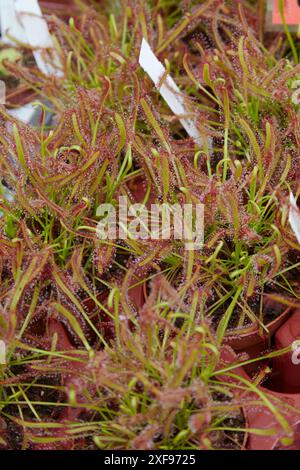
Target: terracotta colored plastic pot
63	340
286	368
286	378
229	357
20	96
136	296
262	418
252	340
138	189
64	9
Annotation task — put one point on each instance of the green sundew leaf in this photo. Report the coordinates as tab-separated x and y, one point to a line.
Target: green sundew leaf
143	24
125	167
226	109
214	256
256	431
174	32
227	122
95	125
33	304
182	435
254	144
137	145
41	352
242	56
277	253
286	170
97	183
179	171
34	268
10	227
253	184
72	297
113	27
256	89
189	363
137	352
80	40
82	69
268	137
76	129
165	176
30	405
83	429
97	440
122	130
33	425
154	123
19	146
206	80
69	64
222	327
46	440
238	170
76	262
73	322
62	181
206	76
235	213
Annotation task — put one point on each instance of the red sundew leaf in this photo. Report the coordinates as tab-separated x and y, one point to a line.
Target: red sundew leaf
199	421
144	440
103	256
34	268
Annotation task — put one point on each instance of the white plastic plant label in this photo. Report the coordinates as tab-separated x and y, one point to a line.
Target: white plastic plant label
294	217
2	92
168	89
24	22
36	29
25	114
2	352
11	28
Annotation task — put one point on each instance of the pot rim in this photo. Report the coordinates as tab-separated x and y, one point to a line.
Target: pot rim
253	331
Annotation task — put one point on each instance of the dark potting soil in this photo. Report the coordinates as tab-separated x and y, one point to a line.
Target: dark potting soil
230	440
13	432
270	312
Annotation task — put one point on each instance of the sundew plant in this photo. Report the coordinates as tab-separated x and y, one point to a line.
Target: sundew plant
119	344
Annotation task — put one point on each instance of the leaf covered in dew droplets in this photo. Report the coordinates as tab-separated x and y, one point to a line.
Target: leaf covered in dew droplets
199	420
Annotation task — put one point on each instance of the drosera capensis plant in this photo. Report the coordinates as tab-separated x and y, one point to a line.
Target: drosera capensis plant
234	85
88	367
163	387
